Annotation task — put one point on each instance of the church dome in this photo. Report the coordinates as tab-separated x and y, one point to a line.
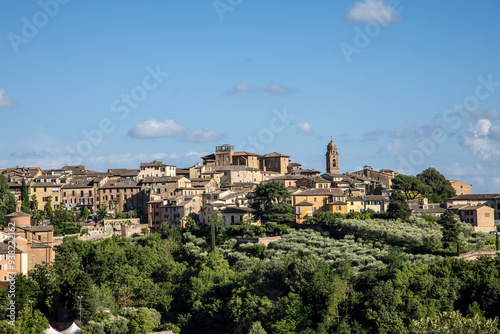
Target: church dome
331	145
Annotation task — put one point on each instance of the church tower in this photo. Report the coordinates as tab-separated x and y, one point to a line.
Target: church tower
332	159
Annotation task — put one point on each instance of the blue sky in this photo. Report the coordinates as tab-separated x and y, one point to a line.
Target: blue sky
403	85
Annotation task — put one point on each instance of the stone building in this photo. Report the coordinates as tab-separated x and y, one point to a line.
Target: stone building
332	158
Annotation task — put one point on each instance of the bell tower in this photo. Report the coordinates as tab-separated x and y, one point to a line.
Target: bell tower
332	158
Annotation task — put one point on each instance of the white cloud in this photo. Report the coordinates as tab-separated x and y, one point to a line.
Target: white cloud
481	128
277	89
5	100
242	87
168	128
305	128
477	140
371	10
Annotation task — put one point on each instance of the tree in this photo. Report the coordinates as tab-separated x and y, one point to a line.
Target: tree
450	229
454	322
85	214
410	186
102	211
257	328
440	188
398	207
26	323
190	223
34	203
36	217
48	211
7	199
270	192
142	320
216	222
269	201
279	213
25	198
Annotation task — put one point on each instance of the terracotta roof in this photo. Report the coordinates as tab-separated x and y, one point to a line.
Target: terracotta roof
209	157
275	154
321	192
305	171
238	154
121	184
4	248
288	177
304	204
235	168
46	228
124	172
238	210
18	214
429	210
337	203
475	197
473	207
152	179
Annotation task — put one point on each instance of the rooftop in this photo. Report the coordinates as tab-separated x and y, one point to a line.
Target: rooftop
321	192
475	197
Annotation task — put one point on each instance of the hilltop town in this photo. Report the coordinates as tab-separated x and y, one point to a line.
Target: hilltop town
158	193
210	212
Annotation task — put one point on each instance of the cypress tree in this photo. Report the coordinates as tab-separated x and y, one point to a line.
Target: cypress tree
25	198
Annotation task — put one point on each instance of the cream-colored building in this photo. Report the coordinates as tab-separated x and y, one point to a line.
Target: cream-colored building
461	188
156	169
480	217
45	186
355	204
492	200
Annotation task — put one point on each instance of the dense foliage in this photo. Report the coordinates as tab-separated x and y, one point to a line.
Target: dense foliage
269	199
440	188
350	276
7	199
430	183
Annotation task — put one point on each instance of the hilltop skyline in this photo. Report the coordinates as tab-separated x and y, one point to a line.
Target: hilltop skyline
402	85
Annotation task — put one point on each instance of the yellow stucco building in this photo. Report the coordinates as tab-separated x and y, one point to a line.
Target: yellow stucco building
309	203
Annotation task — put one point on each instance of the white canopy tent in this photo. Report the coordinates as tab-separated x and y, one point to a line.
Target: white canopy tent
50	330
73	329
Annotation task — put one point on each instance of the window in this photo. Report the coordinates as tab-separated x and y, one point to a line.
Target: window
314	200
339	208
39	237
314	208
